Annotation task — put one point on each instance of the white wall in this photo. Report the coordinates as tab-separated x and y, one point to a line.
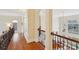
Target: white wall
4	20
65	21
43	19
8	15
60	13
25	27
57	13
55	22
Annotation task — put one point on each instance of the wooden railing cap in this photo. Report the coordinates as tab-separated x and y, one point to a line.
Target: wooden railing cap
52	33
41	30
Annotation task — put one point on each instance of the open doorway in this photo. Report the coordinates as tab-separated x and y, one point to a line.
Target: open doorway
15	22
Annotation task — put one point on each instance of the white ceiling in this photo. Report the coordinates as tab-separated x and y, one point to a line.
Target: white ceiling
12	12
56	12
65	12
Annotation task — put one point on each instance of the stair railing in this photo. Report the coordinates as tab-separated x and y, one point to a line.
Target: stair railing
41	36
60	42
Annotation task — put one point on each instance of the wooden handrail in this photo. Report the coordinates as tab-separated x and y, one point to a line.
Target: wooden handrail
41	30
65	37
6	37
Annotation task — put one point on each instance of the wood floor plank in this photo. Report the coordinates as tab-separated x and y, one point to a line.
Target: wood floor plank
23	45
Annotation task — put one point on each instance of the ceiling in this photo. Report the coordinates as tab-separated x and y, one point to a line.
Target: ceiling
65	12
13	12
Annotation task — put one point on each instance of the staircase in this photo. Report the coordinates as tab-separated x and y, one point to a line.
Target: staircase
5	39
60	42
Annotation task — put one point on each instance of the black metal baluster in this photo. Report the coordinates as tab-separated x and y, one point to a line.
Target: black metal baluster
55	43
71	45
76	46
67	44
63	43
60	43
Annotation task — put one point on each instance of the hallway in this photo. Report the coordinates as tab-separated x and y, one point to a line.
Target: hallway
20	43
27	21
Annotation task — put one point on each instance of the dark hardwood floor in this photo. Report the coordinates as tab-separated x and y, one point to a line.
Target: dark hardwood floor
22	44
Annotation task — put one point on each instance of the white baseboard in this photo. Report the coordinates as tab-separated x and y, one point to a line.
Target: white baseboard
26	36
28	39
